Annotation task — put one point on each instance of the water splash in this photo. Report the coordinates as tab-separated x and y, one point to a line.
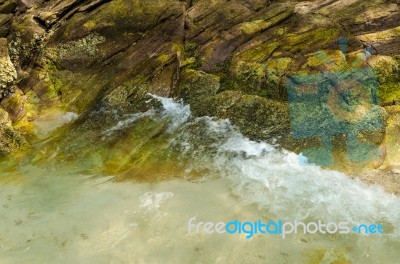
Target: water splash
54	216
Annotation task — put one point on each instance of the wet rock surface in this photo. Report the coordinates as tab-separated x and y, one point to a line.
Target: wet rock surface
228	59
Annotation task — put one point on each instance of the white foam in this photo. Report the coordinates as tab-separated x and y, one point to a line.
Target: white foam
127	122
278	181
55	217
177	111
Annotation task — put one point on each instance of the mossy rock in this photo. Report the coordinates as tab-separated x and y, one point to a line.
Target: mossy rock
8	73
129	17
7	7
10	140
5	22
387	70
253	78
255	116
197	83
217	105
259	53
15	105
260	118
26	41
191	56
245	77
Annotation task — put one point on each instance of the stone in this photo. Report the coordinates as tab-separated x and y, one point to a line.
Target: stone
8	73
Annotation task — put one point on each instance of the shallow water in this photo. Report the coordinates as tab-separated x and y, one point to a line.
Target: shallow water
52	211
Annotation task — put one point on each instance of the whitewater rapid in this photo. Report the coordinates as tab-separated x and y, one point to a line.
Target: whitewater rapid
52	216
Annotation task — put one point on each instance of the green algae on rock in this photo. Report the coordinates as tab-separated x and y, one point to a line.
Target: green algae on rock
10	140
228	59
8	73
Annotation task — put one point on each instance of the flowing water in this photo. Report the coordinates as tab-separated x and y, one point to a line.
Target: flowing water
95	210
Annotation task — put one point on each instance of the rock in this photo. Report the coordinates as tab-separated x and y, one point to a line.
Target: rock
256	117
7	7
388	73
194	84
8	73
229	59
14	104
392	138
25	41
5	22
385	42
10	140
217	105
116	41
217	50
269	119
